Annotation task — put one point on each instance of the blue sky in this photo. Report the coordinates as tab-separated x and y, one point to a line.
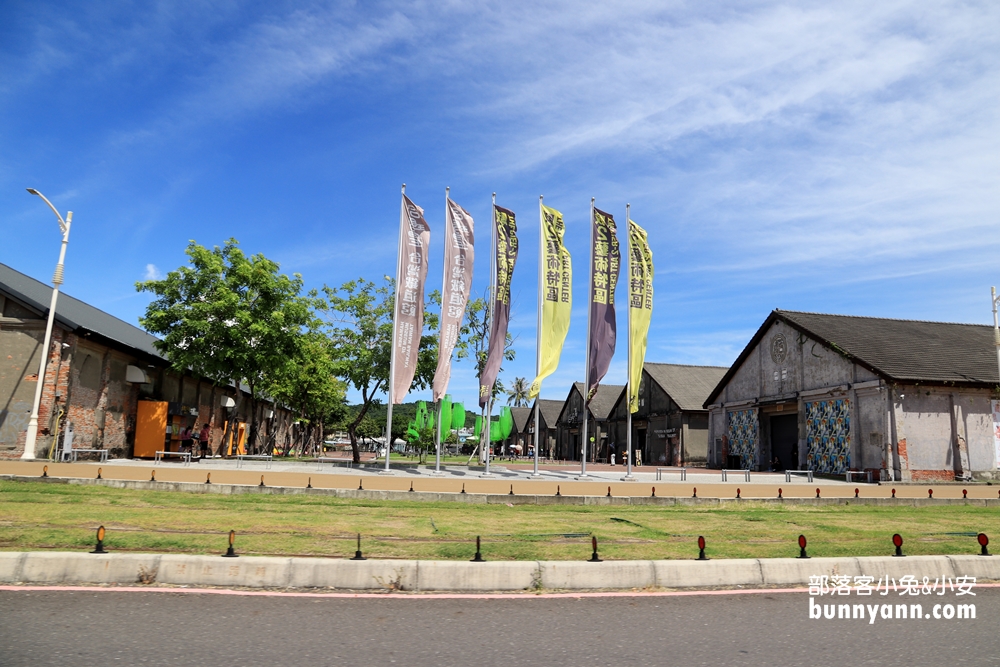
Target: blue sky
831	157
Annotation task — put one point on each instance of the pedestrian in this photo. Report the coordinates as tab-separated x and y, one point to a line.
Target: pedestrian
612	458
203	438
187	439
638	458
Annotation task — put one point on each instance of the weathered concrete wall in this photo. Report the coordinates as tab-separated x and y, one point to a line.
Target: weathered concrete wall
945	433
20	345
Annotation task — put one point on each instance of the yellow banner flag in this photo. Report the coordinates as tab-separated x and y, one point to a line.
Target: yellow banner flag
640	306
556	292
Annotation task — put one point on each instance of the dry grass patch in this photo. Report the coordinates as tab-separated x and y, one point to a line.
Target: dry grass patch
42	516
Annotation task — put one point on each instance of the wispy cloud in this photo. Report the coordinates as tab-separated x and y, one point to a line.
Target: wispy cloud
152	273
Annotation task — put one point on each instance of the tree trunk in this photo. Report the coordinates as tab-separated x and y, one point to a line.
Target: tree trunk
352	431
230	423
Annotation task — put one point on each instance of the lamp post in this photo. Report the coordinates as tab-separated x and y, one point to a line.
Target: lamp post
996	328
57	279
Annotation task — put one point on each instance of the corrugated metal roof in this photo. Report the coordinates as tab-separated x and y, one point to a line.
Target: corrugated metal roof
688	386
550	410
521	417
604	399
907	350
898	350
74	314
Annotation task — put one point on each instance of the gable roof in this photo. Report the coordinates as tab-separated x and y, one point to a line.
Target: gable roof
905	351
521	417
688	386
550	410
603	401
75	315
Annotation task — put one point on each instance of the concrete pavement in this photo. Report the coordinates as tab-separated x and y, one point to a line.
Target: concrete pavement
295	477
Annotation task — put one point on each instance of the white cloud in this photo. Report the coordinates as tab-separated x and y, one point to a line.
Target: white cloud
152	273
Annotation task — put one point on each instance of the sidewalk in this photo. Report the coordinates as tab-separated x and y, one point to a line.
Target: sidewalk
419	485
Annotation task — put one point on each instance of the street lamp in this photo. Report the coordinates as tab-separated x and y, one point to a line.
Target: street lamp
57	279
996	328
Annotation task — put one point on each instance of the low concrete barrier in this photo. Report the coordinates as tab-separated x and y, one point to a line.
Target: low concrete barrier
407	575
493	498
576	575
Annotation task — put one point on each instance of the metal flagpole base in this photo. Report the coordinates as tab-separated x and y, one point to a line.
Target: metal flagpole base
628	478
437	473
486	474
385	472
583	477
535	475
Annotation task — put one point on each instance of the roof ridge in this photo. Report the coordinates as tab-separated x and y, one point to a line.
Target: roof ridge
667	363
63	293
880	319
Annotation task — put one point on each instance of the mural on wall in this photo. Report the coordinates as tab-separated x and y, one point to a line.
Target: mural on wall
828	436
743	436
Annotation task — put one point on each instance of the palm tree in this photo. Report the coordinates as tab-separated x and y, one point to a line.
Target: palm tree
518	395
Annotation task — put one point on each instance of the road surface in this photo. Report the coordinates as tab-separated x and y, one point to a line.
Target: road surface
155	628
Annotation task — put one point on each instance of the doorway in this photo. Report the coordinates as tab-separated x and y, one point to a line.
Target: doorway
785	440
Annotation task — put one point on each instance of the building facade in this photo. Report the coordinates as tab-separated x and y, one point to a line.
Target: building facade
569	432
101	376
671	426
905	400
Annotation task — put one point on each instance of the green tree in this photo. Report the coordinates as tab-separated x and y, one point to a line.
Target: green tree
517	395
308	385
360	325
476	340
476	344
229	317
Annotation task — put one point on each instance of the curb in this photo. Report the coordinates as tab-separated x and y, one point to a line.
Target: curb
489	498
506	576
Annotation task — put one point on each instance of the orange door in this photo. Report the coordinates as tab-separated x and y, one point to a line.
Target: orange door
150	428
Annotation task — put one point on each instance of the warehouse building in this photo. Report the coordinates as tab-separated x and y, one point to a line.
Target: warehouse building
905	400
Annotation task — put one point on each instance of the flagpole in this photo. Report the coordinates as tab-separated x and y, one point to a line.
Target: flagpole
395	305
586	368
538	337
628	392
491	313
444	279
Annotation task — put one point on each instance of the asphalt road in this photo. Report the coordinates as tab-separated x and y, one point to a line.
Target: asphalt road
87	628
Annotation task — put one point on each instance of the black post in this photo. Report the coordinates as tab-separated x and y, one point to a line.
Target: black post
802	547
593	557
479	554
357	554
231	551
99	549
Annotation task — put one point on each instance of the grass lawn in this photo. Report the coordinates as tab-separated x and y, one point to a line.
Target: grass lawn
39	516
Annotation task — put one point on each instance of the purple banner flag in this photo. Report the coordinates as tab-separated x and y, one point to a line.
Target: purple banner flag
409	315
506	254
458	256
605	263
